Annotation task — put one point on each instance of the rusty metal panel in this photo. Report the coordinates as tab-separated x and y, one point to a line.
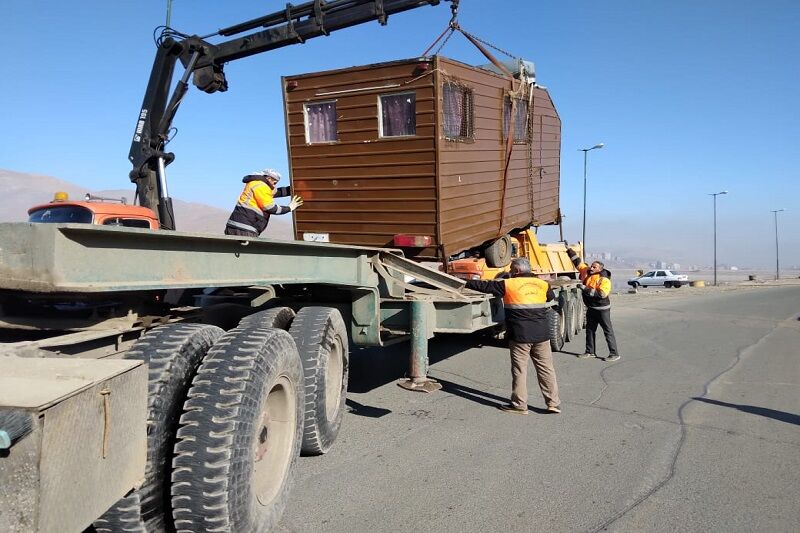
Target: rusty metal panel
363	189
89	445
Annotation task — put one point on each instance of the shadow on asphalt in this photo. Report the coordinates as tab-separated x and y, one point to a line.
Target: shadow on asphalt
371	368
781	416
479	396
359	409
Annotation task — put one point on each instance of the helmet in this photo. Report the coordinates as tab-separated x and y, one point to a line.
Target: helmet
267	173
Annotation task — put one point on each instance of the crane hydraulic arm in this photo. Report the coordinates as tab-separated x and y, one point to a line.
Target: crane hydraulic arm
205	61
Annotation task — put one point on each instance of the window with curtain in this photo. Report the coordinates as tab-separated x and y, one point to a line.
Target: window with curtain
320	122
521	130
457	109
398	114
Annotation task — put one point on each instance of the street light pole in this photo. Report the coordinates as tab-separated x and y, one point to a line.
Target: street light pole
585	157
777	255
715	194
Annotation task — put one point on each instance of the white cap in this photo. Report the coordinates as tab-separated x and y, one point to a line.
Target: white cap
267	173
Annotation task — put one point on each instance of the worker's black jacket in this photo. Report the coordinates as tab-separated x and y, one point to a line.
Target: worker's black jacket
526	320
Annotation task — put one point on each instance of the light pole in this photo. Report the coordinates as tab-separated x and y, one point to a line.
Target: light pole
777	256
585	157
715	194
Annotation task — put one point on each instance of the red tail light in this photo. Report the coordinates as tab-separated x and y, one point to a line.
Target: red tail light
413	241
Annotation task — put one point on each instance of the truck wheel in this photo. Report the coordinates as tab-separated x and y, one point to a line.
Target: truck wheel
277	317
498	254
321	337
677	284
567	304
240	434
581	311
556	323
634	284
173	353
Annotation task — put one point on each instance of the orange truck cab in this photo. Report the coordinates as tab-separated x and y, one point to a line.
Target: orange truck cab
93	210
544	258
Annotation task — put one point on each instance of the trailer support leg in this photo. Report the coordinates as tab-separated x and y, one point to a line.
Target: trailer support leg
418	379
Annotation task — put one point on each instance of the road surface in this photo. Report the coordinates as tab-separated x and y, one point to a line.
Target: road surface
696	428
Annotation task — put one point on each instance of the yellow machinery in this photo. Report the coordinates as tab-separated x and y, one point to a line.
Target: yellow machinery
544	258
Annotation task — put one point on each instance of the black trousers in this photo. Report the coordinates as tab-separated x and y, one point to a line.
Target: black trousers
595	317
240	232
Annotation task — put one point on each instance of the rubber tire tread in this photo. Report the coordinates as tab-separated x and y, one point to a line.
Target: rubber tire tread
567	301
556	339
314	329
214	463
173	353
277	317
493	255
581	311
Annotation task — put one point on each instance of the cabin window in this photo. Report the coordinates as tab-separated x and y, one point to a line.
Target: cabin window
398	114
62	214
127	222
320	121
521	129
458	109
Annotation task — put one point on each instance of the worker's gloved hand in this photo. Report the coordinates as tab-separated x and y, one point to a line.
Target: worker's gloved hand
295	202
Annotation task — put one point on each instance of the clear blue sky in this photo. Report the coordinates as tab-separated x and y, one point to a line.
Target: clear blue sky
690	97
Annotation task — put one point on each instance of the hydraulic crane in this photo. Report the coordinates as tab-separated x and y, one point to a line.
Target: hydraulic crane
205	62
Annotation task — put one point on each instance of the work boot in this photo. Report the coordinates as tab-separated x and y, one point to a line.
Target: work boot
508	408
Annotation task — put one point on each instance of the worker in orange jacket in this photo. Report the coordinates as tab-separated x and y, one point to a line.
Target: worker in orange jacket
596	290
256	203
527	332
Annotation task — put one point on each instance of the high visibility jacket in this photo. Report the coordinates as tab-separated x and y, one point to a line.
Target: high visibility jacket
523	296
596	287
256	204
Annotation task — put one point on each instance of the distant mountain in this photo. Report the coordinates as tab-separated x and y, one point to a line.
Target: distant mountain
22	191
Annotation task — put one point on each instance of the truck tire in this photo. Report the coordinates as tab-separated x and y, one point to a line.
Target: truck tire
566	301
677	284
240	434
173	353
498	254
277	317
321	337
556	322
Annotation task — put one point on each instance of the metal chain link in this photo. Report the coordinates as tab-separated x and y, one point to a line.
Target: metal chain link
490	45
452	31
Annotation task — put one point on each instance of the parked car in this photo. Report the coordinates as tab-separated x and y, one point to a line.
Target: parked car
659	278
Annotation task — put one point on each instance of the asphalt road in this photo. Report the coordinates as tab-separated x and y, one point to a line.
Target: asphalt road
696	428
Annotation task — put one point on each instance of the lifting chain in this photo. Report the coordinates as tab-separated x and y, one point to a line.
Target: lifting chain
490	45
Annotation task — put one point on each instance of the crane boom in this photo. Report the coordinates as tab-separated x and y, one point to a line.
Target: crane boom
205	61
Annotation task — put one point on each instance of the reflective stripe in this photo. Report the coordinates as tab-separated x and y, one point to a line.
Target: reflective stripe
251	208
239	225
530	306
256	196
601	308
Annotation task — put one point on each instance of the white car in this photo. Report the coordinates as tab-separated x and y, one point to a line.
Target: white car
659	278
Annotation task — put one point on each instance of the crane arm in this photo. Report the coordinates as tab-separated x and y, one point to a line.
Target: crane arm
205	63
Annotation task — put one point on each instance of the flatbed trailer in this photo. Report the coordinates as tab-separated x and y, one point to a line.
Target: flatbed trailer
188	304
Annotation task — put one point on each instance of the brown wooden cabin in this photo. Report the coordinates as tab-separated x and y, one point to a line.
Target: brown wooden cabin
417	147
